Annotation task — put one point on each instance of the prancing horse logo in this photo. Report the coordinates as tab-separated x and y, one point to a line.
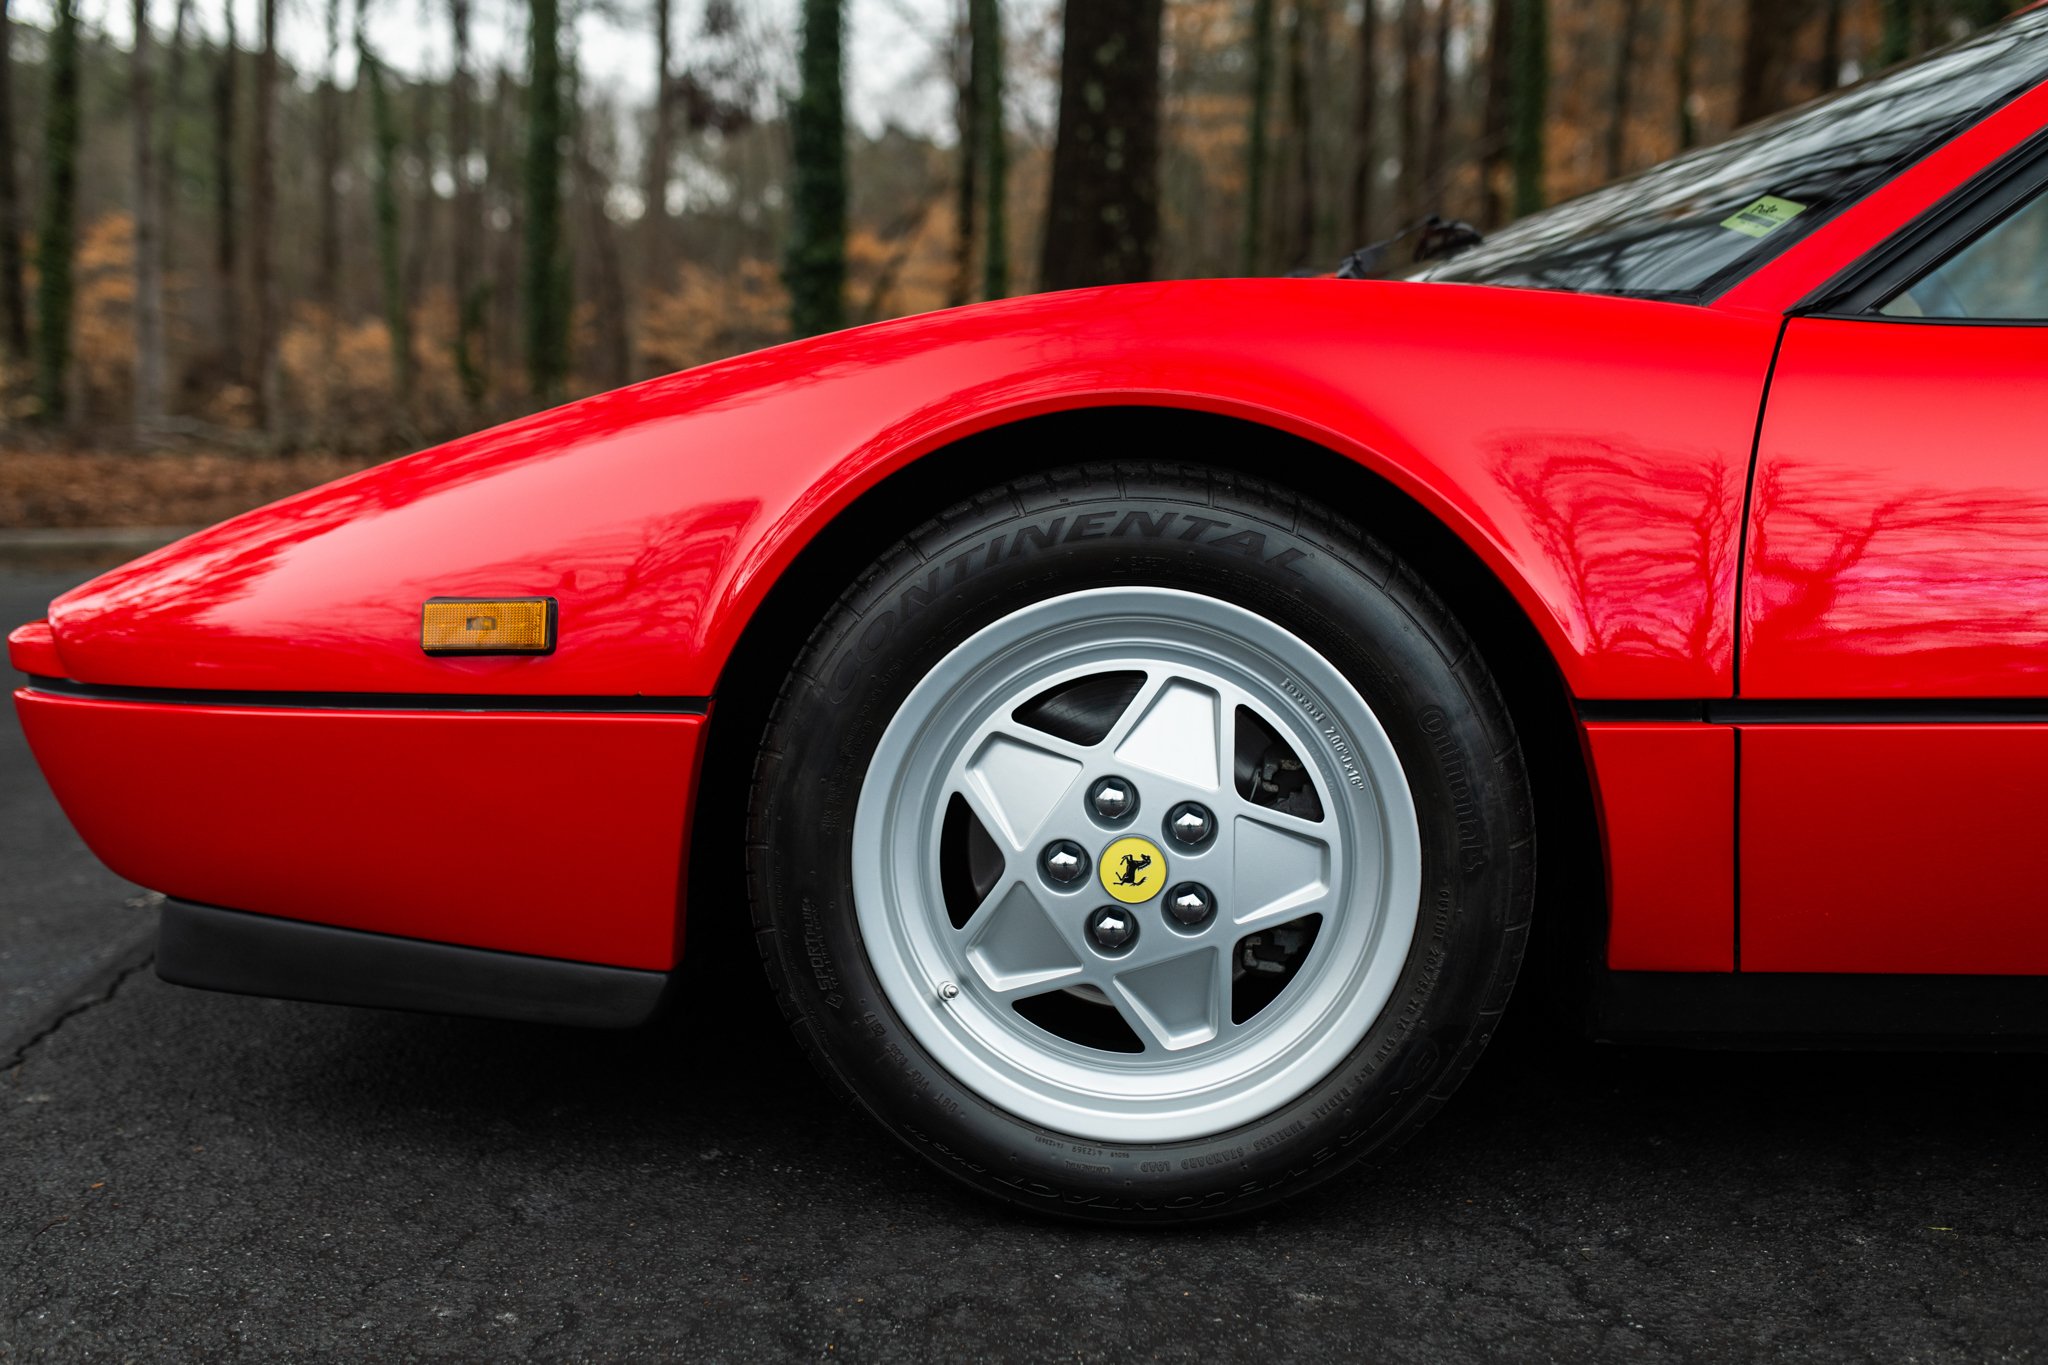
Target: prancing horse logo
1132	869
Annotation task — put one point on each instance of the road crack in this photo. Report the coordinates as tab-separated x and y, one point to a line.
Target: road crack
95	990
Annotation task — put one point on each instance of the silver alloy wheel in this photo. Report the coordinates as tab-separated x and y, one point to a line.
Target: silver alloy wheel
1200	1072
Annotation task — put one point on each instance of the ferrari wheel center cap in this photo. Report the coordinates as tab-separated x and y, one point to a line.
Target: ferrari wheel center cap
1133	870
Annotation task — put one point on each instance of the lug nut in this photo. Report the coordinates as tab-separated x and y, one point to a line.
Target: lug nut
1064	861
1190	904
1190	824
1112	928
1113	800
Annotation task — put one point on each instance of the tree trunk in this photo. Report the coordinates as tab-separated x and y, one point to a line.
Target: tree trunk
13	293
967	198
1301	248
1769	37
262	213
465	241
546	288
1618	95
661	147
614	338
986	17
1255	134
816	267
1897	42
384	195
327	159
1531	102
1408	40
1830	69
167	144
1365	124
227	277
149	276
1102	224
1493	121
1681	76
1436	134
55	241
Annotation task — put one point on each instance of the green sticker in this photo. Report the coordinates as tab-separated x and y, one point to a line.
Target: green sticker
1764	217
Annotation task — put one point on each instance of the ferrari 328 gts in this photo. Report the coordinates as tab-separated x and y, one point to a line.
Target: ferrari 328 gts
1148	724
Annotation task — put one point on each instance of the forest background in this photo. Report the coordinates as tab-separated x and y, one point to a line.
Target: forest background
246	245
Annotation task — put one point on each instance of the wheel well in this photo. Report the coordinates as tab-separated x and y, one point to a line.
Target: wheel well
1569	888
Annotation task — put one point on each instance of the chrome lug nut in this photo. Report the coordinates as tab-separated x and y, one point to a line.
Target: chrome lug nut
1190	824
1191	904
1112	928
1113	800
1064	861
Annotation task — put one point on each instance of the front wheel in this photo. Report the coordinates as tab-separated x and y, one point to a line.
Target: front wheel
1139	844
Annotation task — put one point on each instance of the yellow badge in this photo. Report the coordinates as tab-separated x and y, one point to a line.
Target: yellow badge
1133	870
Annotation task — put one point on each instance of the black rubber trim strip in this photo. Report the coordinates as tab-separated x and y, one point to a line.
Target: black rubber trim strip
228	950
1816	1009
374	701
1934	711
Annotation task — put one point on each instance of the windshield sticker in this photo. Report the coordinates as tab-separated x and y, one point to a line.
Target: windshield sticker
1764	217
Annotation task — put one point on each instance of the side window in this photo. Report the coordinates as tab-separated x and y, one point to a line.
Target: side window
2000	275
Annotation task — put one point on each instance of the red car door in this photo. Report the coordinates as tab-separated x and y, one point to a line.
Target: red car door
1893	675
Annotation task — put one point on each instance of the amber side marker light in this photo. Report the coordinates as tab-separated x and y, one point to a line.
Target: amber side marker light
488	625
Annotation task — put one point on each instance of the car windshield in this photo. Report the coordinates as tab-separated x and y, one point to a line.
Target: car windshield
1694	225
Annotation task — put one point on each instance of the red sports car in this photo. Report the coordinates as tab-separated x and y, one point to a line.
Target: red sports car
1146	723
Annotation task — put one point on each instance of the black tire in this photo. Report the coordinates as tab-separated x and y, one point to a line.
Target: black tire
1264	549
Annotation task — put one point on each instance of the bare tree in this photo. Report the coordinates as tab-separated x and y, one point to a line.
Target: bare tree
1102	221
227	277
1255	134
1437	132
13	295
1769	39
1494	174
661	144
262	214
149	272
464	234
1618	93
986	21
1365	123
1681	75
327	169
1303	20
56	242
1408	38
967	197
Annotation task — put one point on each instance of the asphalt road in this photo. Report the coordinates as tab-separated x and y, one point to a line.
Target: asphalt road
185	1175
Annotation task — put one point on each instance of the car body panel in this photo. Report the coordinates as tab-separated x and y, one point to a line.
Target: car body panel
1898	543
558	836
1667	817
660	515
1893	848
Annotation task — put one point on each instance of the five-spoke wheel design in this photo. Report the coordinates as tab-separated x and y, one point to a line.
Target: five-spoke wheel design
1136	864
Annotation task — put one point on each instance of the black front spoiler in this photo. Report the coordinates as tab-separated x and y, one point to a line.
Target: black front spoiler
228	950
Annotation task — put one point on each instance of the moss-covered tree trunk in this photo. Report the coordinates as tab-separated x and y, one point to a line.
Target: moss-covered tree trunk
465	239
1102	221
967	184
262	217
816	266
227	279
546	273
56	239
